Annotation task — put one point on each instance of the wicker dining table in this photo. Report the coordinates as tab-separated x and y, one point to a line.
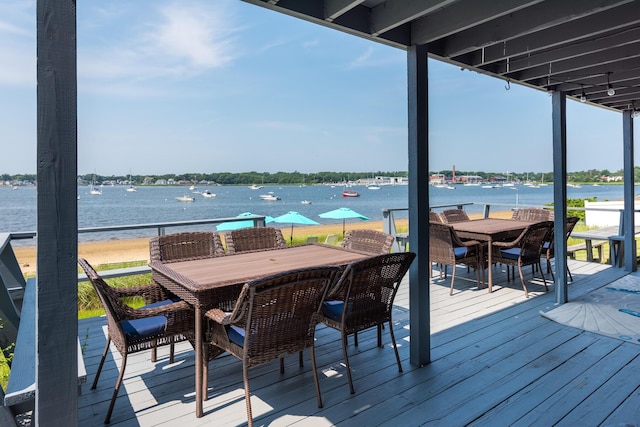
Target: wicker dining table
217	281
490	230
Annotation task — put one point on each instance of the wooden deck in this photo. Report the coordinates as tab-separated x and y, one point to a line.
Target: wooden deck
495	361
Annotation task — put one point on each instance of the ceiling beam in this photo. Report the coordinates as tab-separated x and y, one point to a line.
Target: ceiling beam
606	21
461	16
393	13
517	24
335	8
576	65
573	50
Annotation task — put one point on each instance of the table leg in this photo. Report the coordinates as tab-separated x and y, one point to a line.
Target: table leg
589	249
489	266
198	360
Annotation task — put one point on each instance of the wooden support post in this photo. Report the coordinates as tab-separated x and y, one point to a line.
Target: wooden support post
418	150
57	223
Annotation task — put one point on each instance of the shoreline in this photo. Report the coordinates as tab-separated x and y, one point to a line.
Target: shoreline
113	251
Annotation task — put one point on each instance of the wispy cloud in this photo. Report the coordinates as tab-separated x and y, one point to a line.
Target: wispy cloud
362	60
17	43
281	126
177	39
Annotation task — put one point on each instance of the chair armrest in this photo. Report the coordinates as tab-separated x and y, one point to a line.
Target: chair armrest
140	313
218	316
468	243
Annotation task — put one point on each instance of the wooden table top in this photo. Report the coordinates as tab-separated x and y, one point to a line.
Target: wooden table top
490	226
209	273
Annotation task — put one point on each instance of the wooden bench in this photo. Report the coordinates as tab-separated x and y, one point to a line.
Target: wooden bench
597	244
21	389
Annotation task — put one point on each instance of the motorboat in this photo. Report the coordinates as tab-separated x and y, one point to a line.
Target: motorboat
208	194
256	187
373	187
306	202
269	197
350	193
186	198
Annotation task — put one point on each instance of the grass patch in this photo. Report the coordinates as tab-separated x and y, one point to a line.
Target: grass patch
88	302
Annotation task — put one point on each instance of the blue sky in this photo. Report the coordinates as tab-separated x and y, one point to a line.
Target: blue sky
213	86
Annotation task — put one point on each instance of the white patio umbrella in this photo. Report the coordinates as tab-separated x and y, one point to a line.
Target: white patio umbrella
343	214
293	217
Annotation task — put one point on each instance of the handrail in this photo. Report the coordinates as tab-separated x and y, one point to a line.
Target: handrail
389	224
258	221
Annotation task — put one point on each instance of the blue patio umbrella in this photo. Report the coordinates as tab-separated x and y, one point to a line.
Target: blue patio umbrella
293	217
343	213
236	225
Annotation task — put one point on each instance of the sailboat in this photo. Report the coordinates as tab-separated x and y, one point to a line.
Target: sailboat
131	188
92	189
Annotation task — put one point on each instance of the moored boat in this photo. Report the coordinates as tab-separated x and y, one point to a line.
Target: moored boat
186	198
208	194
350	193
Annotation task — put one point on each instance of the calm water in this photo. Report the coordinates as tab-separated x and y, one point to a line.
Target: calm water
157	204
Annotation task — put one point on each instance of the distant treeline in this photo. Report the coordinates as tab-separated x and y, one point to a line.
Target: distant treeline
592	175
285	178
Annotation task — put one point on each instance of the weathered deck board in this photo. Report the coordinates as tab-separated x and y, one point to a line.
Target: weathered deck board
495	361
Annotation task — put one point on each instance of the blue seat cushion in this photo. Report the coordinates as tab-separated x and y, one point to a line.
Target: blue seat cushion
514	253
545	246
236	335
460	252
148	327
333	309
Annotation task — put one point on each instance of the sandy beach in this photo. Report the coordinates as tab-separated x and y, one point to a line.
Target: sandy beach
111	251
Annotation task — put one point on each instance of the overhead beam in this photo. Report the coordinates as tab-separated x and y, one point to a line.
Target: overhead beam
605	60
590	26
393	13
461	16
568	52
525	21
335	8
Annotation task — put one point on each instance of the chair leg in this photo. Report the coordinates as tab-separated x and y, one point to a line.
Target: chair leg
154	351
355	339
104	356
453	278
526	293
247	393
282	365
544	280
379	328
107	419
315	373
346	361
550	270
172	351
300	361
395	347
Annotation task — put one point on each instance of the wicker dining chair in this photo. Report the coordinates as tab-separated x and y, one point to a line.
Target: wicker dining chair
532	214
363	298
254	238
161	321
548	248
370	241
449	216
185	246
526	249
446	248
434	217
272	318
